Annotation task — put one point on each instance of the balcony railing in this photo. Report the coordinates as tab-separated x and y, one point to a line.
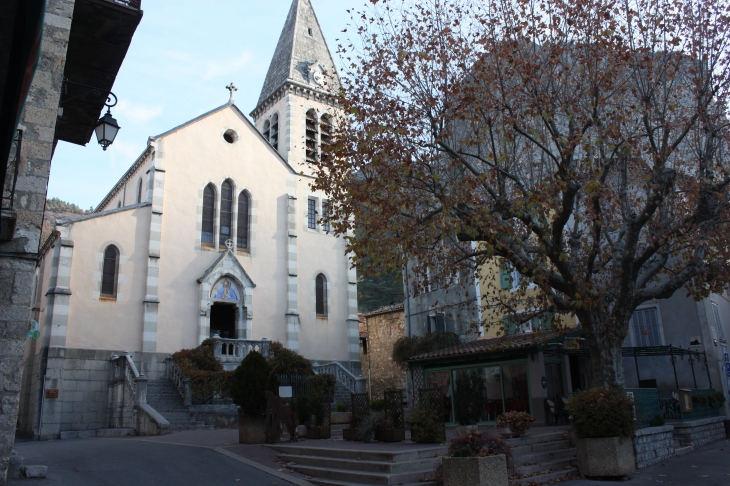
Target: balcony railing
11	174
137	4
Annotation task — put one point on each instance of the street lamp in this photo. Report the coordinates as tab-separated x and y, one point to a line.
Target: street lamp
106	129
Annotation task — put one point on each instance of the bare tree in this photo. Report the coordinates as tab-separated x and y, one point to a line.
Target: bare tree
582	141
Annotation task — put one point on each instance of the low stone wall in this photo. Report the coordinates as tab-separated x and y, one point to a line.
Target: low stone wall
652	445
700	432
219	416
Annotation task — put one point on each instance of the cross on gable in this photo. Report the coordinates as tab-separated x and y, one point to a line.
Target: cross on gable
231	87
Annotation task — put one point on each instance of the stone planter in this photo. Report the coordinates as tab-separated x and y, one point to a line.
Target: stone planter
349	434
340	418
506	432
251	430
316	432
607	456
475	471
463	430
301	430
390	435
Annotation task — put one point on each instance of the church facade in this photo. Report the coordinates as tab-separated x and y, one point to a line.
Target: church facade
212	232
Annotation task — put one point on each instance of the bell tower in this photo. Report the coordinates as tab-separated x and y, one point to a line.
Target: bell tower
297	101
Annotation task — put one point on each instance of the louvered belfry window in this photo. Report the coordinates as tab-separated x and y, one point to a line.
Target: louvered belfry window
109	274
226	212
311	138
242	235
646	327
321	295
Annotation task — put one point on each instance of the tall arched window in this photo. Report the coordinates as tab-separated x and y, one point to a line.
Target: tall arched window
311	136
226	213
321	295
242	234
206	237
325	138
109	272
275	131
139	191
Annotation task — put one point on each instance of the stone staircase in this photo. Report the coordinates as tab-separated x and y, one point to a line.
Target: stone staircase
351	467
542	458
164	397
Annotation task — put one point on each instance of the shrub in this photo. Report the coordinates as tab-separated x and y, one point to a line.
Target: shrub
287	362
342	407
323	385
656	421
518	422
309	410
712	400
406	347
377	404
369	423
474	444
206	374
249	384
426	425
601	412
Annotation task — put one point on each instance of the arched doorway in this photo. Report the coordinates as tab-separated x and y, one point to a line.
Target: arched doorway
226	310
223	320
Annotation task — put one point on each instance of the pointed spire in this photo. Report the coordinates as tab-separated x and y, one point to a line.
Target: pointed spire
301	55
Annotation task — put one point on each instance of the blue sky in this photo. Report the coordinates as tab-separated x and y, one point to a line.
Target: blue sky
182	56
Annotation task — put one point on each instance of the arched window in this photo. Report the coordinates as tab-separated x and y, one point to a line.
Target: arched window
321	295
206	237
226	212
311	136
242	234
139	191
275	131
109	272
325	138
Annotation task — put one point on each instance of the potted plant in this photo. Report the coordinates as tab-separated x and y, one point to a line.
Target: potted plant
603	422
392	427
311	412
426	426
476	460
249	383
350	433
369	423
470	395
514	424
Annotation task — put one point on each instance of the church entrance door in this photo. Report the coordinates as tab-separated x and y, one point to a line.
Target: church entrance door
223	320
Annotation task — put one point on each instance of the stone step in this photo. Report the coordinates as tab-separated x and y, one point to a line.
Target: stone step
360	465
536	439
682	450
114	432
550	477
544	457
360	455
546	466
541	447
362	477
331	482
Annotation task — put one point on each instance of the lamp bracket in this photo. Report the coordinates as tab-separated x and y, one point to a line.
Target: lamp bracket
109	103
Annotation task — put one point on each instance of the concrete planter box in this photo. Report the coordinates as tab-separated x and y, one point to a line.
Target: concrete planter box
390	435
475	471
340	417
349	434
607	456
251	430
315	432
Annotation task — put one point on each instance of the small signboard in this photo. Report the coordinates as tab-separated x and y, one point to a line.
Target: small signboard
52	393
572	343
685	398
285	392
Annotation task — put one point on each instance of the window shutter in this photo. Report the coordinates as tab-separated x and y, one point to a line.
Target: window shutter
505	280
546	322
509	326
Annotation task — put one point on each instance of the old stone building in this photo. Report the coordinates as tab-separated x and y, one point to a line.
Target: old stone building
381	329
69	52
212	232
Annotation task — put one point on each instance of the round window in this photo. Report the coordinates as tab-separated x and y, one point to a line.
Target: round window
230	136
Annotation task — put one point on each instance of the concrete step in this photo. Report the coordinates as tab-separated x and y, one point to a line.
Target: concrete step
546	466
544	457
360	455
682	450
360	465
114	432
554	445
362	477
550	477
536	439
332	482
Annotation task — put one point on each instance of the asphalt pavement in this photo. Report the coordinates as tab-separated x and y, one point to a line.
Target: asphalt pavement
116	462
708	465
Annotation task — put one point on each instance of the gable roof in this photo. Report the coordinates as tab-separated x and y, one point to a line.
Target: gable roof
297	50
218	263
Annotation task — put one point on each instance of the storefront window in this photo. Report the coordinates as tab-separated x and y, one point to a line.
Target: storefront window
514	381
470	396
442	381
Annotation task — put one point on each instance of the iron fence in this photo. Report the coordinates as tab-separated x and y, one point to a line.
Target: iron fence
671	407
646	404
301	385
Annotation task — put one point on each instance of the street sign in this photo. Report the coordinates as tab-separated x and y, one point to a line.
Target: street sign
285	392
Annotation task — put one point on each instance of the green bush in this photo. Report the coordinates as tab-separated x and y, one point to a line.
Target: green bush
309	410
249	384
287	362
656	421
369	423
377	405
206	374
601	412
342	407
426	425
323	385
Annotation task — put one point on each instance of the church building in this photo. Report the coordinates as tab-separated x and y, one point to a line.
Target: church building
212	232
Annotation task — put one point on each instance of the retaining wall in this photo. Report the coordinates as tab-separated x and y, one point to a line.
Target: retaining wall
652	445
700	432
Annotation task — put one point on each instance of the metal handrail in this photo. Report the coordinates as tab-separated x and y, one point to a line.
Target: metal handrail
342	374
178	379
14	165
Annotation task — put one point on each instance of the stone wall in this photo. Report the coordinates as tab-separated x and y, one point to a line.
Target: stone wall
384	328
17	263
219	416
700	432
652	445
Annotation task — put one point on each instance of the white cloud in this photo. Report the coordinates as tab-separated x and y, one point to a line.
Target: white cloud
186	64
135	113
214	69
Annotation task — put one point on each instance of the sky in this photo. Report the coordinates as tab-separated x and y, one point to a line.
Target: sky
181	58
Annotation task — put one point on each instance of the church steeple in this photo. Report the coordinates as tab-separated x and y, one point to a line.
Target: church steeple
297	102
301	56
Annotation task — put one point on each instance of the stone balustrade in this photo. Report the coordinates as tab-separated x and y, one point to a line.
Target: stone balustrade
230	352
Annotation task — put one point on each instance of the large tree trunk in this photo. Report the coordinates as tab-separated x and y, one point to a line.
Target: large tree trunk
604	340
